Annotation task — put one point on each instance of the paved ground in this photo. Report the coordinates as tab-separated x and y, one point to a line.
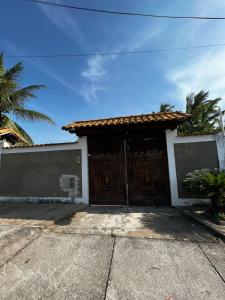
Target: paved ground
160	223
202	216
107	253
41	215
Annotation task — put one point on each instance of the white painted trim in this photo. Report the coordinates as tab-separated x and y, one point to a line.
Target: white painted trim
192	139
41	199
85	172
46	148
220	144
191	201
170	137
38	200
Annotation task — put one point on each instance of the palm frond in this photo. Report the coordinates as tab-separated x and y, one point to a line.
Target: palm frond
215	101
216	115
11	97
2	69
13	73
204	114
23	95
31	115
166	107
200	98
189	102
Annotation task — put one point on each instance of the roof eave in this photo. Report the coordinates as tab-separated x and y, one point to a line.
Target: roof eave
82	131
76	127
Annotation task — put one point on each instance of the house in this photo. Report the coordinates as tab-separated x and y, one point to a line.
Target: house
132	160
10	137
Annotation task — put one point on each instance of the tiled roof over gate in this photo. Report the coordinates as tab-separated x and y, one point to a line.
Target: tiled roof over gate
129	120
6	131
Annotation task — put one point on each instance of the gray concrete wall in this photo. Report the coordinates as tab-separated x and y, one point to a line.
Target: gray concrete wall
37	174
193	156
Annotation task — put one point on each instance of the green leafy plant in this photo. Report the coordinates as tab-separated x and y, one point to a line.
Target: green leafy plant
220	216
209	184
204	114
166	107
14	98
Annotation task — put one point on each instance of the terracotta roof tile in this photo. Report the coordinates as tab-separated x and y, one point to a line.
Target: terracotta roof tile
136	119
4	131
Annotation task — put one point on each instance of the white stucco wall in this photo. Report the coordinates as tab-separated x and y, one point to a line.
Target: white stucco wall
171	139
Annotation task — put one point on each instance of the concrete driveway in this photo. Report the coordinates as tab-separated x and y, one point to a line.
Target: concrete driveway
160	223
107	253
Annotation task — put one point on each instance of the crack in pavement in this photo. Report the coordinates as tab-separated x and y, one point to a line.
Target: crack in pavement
110	267
20	250
210	261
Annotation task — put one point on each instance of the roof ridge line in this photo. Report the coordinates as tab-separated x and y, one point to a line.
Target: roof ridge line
127	116
129	120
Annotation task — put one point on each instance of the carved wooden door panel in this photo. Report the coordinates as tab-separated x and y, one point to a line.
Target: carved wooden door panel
147	172
106	173
130	170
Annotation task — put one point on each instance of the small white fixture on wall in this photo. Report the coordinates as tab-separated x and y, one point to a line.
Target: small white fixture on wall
71	185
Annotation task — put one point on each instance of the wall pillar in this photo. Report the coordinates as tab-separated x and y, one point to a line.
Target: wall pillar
170	137
220	143
171	140
85	172
1	147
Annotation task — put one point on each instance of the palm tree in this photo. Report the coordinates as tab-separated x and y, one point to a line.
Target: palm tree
13	99
166	107
204	112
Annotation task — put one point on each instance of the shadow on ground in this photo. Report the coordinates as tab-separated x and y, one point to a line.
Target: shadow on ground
174	224
151	222
35	214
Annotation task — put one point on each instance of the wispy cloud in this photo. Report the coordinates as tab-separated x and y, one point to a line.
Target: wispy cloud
95	70
39	65
207	73
63	82
97	67
90	92
206	69
142	38
95	75
210	7
62	19
198	31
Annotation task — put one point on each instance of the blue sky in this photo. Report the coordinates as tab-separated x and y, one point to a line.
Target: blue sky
98	87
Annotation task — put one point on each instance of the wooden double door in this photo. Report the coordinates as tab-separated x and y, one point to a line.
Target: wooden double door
128	170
